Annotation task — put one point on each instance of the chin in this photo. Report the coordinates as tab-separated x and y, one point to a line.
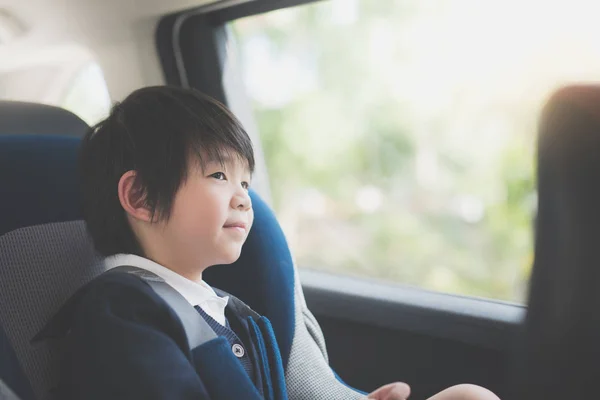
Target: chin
231	257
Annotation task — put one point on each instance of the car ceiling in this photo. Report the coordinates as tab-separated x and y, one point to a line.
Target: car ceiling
54	19
118	33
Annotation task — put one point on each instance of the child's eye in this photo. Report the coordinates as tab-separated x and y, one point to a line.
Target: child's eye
246	185
219	175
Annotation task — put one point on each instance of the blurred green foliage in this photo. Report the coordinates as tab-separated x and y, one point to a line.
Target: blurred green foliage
399	135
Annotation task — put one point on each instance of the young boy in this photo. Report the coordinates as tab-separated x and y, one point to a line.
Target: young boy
165	182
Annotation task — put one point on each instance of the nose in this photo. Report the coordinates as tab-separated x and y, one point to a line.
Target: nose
241	200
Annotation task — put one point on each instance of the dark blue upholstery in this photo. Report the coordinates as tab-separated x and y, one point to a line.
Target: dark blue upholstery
38	181
39	185
20	118
10	370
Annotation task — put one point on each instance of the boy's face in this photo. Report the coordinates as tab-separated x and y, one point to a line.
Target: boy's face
211	216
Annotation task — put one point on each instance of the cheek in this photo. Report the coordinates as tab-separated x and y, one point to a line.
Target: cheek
251	219
202	223
193	218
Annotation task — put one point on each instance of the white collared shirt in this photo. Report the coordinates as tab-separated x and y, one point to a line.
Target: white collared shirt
196	293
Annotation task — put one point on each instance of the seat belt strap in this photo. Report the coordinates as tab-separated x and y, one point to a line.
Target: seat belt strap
196	328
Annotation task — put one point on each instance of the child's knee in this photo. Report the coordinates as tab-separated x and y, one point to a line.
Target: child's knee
465	392
477	392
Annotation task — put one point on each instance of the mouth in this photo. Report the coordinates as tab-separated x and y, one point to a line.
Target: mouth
237	226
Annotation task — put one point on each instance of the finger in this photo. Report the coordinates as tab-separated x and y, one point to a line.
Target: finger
392	391
398	393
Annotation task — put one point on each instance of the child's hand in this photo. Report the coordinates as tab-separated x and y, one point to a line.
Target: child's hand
392	391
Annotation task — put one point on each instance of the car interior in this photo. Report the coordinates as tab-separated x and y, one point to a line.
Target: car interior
376	332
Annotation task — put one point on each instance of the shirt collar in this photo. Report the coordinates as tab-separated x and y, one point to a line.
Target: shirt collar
196	293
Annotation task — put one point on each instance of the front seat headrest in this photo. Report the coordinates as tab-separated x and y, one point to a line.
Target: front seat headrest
562	329
21	118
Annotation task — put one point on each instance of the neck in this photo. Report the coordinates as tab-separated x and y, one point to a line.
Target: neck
189	270
192	273
155	248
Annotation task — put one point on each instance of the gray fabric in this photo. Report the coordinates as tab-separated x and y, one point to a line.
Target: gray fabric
40	268
6	393
308	375
197	330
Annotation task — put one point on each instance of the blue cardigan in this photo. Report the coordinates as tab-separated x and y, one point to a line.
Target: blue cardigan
122	341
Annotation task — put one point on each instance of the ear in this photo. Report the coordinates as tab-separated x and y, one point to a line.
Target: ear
132	198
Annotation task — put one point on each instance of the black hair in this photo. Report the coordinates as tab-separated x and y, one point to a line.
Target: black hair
156	131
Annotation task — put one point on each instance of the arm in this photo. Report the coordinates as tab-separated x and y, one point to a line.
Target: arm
126	343
308	375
